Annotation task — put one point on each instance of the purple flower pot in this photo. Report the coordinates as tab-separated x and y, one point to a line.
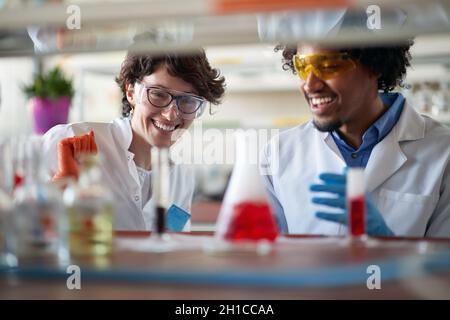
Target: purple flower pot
47	113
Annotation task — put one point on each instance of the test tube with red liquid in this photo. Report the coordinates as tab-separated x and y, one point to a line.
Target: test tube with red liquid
356	202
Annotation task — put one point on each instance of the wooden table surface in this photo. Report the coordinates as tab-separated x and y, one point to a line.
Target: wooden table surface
297	267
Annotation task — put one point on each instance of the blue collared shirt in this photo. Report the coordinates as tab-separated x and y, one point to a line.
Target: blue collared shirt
376	132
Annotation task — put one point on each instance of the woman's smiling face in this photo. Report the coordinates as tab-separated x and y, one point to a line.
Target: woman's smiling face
160	127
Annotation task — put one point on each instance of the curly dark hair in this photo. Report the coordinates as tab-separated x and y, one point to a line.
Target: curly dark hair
192	67
390	62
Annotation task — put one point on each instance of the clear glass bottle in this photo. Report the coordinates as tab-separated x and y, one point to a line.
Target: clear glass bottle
39	218
7	247
7	250
90	209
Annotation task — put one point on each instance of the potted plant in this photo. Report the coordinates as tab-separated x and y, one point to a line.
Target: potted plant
50	95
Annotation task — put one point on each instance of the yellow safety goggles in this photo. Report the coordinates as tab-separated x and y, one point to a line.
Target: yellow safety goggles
324	65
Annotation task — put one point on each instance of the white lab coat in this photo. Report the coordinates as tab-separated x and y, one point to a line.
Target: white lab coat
408	174
119	171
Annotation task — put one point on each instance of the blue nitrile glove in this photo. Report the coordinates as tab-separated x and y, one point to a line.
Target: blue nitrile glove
336	185
176	218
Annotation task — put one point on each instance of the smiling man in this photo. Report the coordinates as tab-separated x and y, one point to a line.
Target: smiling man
358	122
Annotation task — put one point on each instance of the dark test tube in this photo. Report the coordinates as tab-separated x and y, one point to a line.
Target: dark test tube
160	220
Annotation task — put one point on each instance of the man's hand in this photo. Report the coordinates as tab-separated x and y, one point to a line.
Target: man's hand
69	149
336	185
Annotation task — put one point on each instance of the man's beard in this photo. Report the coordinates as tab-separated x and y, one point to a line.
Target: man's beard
327	127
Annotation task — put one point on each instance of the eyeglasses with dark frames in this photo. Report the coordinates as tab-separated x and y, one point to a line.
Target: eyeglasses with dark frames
189	106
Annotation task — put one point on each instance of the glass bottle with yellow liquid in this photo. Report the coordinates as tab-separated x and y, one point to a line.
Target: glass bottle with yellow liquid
90	209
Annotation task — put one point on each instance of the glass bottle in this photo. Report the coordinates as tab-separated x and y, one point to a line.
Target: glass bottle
39	218
7	248
90	209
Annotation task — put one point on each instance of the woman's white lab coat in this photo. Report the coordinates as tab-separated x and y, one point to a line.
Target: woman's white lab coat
119	171
408	174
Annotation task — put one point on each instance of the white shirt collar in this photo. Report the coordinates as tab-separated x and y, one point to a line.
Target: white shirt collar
123	133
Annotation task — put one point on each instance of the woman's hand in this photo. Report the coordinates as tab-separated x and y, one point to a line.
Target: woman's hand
69	149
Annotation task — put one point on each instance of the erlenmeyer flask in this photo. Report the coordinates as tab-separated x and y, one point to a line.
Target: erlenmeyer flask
246	214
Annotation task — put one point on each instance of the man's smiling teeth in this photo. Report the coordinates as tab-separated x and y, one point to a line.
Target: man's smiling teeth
163	126
323	100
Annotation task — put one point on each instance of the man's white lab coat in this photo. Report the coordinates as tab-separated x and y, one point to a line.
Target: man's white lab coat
408	174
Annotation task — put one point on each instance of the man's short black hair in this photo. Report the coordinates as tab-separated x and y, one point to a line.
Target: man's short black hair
389	62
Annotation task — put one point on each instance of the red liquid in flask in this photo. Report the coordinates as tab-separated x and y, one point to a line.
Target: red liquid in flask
357	207
252	221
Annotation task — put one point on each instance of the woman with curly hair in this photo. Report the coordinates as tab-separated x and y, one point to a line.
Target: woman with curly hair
162	95
357	121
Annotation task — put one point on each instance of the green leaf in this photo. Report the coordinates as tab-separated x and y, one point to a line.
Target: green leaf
52	84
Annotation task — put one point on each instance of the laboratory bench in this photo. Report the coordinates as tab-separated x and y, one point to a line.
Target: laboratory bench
294	267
